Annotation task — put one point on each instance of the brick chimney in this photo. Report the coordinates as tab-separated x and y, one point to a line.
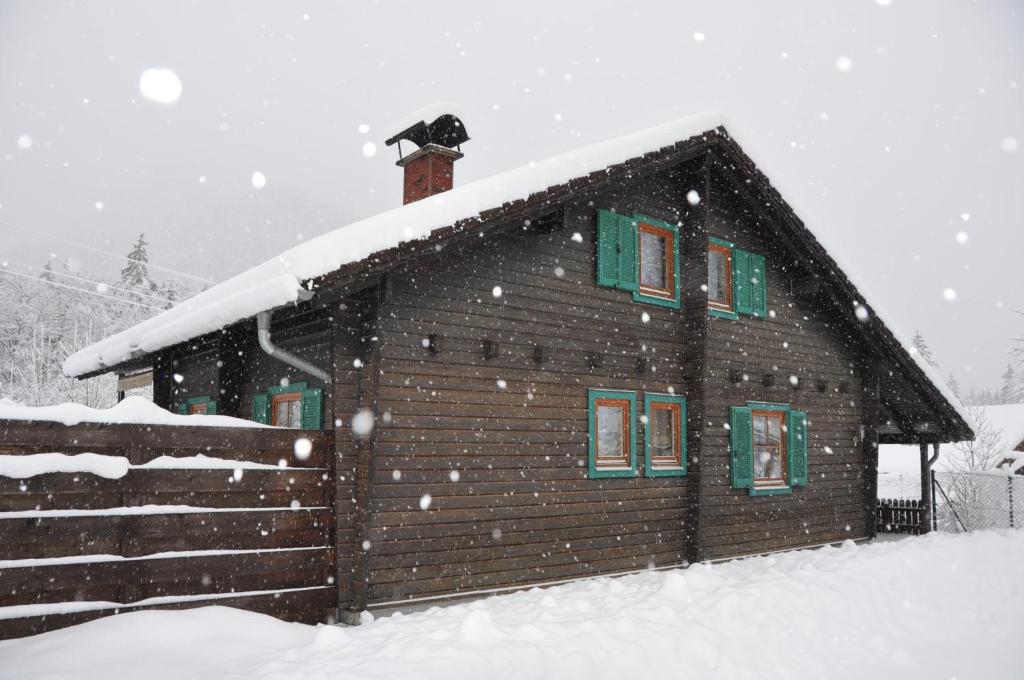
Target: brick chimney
429	170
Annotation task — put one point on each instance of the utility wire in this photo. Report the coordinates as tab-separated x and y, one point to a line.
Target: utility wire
80	290
104	252
111	286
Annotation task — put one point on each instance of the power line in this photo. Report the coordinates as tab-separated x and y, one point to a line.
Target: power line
80	290
98	283
104	252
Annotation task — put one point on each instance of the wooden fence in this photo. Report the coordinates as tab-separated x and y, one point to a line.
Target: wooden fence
898	516
170	533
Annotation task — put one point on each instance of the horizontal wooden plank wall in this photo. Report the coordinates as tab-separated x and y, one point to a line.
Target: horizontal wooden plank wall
505	463
801	338
160	537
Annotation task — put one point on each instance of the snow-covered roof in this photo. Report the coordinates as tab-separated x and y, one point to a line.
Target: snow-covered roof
132	410
1005	419
276	282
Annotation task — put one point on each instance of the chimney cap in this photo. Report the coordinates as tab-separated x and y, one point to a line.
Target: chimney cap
446	130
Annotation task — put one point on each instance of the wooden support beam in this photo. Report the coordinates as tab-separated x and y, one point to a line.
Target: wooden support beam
869	444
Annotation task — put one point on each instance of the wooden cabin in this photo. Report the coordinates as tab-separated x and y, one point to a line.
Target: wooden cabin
633	356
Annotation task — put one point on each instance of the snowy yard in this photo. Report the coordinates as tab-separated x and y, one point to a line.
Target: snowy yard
939	606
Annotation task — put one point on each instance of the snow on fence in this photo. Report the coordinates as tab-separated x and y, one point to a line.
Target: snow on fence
162	516
898	516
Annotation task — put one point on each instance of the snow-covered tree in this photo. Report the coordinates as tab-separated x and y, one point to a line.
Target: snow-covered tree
135	274
922	348
984	452
1008	392
954	386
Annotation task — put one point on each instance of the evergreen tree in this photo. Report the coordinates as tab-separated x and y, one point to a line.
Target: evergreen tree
922	348
136	273
1007	393
47	273
954	386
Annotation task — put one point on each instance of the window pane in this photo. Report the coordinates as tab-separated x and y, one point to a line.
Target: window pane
717	279
767	463
662	432
760	430
295	413
610	435
281	413
652	260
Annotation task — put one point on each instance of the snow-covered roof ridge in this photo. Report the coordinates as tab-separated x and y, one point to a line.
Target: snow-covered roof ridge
276	281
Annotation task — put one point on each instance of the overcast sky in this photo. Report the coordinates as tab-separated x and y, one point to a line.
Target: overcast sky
891	128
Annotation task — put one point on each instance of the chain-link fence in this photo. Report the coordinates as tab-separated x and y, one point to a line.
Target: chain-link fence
965	501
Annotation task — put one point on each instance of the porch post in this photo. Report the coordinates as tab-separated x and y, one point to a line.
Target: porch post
926	486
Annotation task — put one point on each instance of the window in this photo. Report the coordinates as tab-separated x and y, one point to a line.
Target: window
639	254
293	405
286	410
657	246
719	277
198	406
769	448
737	282
612	434
665	441
768	444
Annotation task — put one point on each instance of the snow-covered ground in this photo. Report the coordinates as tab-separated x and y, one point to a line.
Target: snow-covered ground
939	606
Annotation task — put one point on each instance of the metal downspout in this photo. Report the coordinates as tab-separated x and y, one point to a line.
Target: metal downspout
267	345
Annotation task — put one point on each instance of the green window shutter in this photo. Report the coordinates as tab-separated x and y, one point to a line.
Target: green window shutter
758	286
797	448
211	407
607	248
627	253
742	290
261	409
183	409
741	436
312	409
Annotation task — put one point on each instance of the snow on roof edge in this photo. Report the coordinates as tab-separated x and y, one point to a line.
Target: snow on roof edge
208	310
864	291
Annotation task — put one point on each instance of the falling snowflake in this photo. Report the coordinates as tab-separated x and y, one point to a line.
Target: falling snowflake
364	128
425	501
362	422
24	142
692	197
698	36
454	475
98	205
303	448
861	312
1009	144
369	149
178	378
961	237
844	64
366	545
236	474
496	291
949	294
577	237
502	384
295	504
559	272
160	85
396	475
259	180
794	380
645	318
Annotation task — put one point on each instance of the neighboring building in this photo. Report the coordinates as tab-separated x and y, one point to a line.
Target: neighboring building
631	356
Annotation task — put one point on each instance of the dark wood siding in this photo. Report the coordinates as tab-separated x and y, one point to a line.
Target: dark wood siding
522	509
803	339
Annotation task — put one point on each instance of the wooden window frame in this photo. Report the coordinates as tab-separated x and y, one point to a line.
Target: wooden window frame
283	397
198	408
782	416
726	306
661	466
625	466
669	292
